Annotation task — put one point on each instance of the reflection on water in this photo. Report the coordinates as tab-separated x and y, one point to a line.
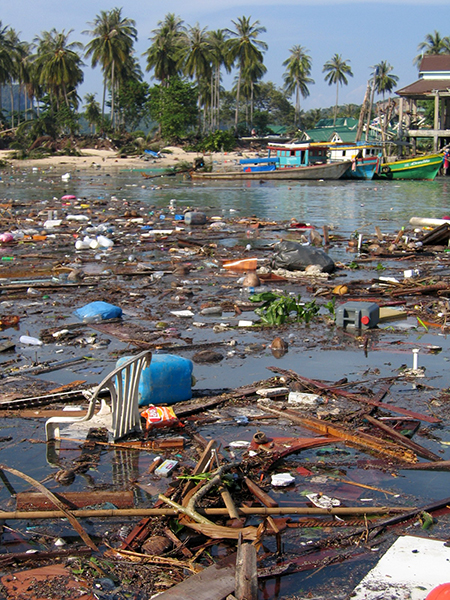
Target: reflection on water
345	205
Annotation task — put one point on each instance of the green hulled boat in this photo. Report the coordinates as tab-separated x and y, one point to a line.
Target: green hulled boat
418	167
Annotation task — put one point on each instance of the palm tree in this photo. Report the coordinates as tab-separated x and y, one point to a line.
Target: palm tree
384	80
336	71
111	46
59	65
251	74
196	58
92	111
219	59
432	44
6	59
163	56
297	76
245	48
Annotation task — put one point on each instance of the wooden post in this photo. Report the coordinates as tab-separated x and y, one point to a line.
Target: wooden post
326	237
246	586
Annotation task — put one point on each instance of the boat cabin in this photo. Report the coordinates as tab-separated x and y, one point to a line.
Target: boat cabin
358	150
298	155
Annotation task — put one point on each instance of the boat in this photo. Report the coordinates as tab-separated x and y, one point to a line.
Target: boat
418	167
304	161
365	158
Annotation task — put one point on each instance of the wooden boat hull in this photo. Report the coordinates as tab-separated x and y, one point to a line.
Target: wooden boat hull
329	171
419	167
364	168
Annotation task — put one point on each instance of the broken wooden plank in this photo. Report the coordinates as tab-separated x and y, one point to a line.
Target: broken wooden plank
36	501
358	438
318	385
402	439
213	583
260	494
246	577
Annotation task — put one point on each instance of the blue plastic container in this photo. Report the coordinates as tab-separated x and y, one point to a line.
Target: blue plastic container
167	380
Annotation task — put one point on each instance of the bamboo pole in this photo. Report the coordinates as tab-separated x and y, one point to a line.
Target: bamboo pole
170	512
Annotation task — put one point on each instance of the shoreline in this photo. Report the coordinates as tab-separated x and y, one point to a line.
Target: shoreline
95	158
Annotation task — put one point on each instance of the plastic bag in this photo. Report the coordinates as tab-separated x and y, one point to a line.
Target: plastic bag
159	416
97	311
295	257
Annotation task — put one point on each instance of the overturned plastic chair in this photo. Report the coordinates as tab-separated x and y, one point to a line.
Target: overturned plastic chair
123	385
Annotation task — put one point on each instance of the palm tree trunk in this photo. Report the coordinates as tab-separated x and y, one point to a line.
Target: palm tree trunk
297	105
337	100
113	123
217	117
238	90
12	103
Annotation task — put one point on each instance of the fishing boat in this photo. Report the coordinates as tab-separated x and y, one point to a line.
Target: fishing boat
418	167
365	158
284	161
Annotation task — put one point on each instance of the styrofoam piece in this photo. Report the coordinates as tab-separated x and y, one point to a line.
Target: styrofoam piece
410	569
271	392
239	444
182	313
282	479
304	398
322	501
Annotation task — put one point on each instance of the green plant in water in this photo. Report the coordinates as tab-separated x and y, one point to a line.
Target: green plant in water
353	265
331	306
380	267
277	308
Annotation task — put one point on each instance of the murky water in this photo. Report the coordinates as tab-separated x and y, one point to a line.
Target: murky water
346	207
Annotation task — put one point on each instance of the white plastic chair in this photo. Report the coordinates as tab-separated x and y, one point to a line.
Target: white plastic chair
123	385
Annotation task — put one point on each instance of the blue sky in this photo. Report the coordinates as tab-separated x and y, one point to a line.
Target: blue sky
362	31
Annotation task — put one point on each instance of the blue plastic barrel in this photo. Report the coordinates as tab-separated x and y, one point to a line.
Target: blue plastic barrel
167	380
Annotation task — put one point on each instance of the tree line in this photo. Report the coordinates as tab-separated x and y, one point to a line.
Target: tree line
186	62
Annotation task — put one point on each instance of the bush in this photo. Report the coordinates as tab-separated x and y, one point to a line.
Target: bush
218	141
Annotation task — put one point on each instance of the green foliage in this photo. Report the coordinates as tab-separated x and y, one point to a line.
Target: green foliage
380	267
331	306
353	265
277	308
174	107
218	141
132	101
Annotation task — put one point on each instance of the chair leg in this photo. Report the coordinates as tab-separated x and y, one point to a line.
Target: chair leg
52	431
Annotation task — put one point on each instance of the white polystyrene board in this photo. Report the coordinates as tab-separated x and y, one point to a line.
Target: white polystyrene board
409	570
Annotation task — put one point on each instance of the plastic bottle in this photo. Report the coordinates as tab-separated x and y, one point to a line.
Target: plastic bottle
167	380
30	341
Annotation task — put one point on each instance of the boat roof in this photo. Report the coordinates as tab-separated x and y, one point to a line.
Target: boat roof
296	146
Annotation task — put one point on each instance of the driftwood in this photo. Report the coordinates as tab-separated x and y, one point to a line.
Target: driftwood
322	387
402	439
67	513
357	438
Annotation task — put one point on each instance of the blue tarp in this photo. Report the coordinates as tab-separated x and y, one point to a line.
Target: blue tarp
153	154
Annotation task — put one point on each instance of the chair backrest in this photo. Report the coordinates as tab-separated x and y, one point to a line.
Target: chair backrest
123	384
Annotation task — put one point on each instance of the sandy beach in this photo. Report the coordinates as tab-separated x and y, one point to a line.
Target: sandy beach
171	156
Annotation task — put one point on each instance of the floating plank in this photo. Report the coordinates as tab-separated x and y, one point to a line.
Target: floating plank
213	583
37	501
